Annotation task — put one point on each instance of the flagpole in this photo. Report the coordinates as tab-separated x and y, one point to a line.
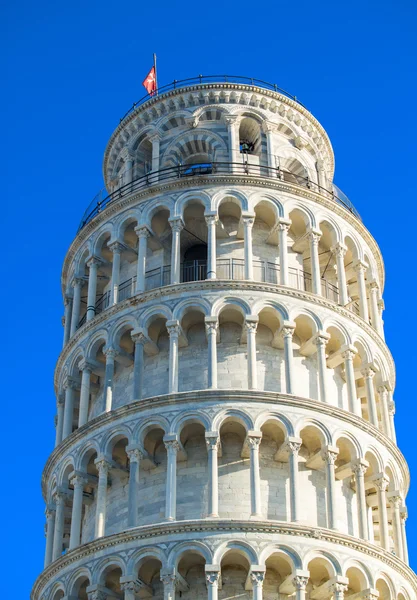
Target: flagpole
156	78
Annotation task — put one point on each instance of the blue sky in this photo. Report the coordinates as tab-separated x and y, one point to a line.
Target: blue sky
73	69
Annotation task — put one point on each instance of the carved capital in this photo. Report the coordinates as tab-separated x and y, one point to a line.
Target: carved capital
359	468
251	326
300	582
116	247
330	455
212	577
176	224
339	249
211	219
382	483
93	262
212	441
211	324
172	446
110	353
142	231
103	466
134	454
173	328
257	578
368	372
78	480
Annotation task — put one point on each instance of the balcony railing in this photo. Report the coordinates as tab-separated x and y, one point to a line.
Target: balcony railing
102	201
227	268
207	80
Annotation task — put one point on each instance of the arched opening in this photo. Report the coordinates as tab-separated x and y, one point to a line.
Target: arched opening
192	474
347	500
110	578
384	590
278	576
193	356
194	243
270	356
264	243
229	240
231	349
250	137
192	577
312	477
79	589
156	358
235	568
274	472
152	477
149	575
233	471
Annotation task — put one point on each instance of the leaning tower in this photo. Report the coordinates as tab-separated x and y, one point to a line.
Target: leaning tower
225	413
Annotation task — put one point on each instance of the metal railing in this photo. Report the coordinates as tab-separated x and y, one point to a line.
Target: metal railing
226	268
101	201
207	80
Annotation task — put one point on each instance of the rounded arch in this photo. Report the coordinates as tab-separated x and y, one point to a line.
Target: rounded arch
299	311
199	304
121	326
236	414
142	429
351	242
127	218
230	301
194	142
266	416
142	554
259	197
97	339
107	231
191	417
113	436
332	326
330	562
154	312
76	579
198	196
363	347
296	207
261	304
383	583
365	576
373	456
73	361
153	207
67	466
341	435
104	565
180	549
326	222
229	194
201	110
290	553
238	546
323	431
92	446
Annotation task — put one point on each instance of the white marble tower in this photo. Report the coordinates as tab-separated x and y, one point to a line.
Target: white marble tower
225	413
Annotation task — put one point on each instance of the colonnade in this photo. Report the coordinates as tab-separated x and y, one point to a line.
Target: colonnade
317	344
73	302
288	452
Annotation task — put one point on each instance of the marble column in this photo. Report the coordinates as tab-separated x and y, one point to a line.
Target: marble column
293	446
269	130
168	578
212	581
101	499
176	225
257	579
93	264
359	469
300	584
283	228
67	318
139	339
135	456
354	404
110	354
320	342
314	236
211	221
329	455
395	501
70	386
77	284
251	324
391	413
383	402
172	447
117	249
86	370
248	221
287	332
404	515
77	510
339	251
213	442
128	172
339	590
173	328
50	527
374	297
368	375
360	269
232	122
381	487
59	525
254	441
143	233
60	420
212	324
155	141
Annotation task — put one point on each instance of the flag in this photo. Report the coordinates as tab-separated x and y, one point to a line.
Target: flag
150	81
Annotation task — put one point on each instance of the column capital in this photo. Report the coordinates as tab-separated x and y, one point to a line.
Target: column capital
368	371
211	219
176	223
314	235
251	323
287	329
211	324
347	352
293	444
382	482
283	224
339	249
93	261
96	592
212	574
212	439
231	119
248	219
360	265
50	511
154	137
168	576
253	439
173	327
381	304
339	588
68	297
301	581
59	497
360	466
404	513
130	585
103	465
374	285
116	247
135	453
71	383
329	454
268	127
139	336
257	575
171	442
86	365
110	352
395	499
78	480
142	231
77	281
391	407
321	338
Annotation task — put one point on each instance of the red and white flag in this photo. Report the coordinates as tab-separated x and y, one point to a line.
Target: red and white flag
150	81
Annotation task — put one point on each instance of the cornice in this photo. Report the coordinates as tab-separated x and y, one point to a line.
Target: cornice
162	293
152	103
206	396
221	526
221	181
